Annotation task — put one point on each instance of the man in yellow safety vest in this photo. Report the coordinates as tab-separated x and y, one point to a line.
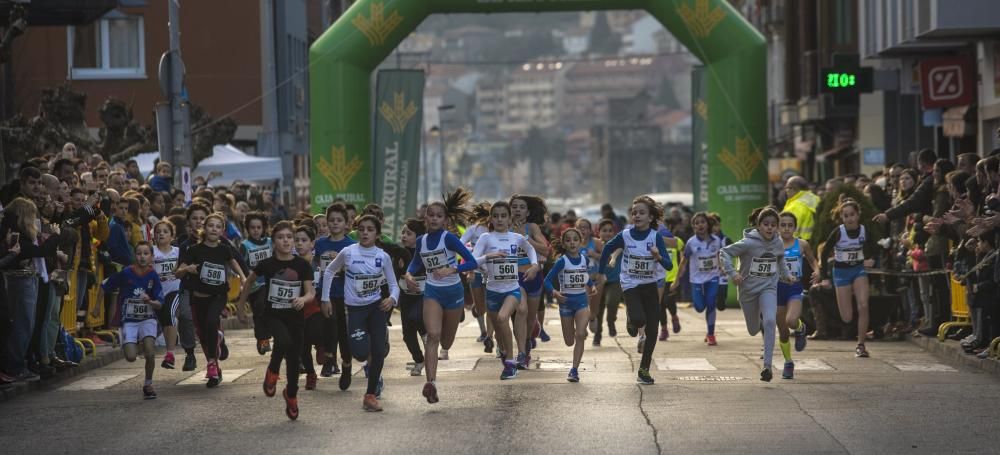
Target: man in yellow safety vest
801	203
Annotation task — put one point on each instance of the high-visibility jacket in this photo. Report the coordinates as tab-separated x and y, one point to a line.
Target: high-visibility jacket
803	206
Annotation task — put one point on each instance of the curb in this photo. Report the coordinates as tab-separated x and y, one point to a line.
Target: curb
951	352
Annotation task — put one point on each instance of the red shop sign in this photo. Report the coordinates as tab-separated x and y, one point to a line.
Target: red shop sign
946	82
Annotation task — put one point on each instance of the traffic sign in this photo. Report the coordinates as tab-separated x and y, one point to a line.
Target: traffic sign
946	82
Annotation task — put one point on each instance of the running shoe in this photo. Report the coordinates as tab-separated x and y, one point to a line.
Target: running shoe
676	323
573	376
592	326
720	305
521	362
664	334
644	378
190	363
327	370
214	376
482	337
263	346
148	393
320	356
710	339
430	393
270	382
612	330
418	369
311	381
223	349
544	336
860	351
168	361
509	371
633	331
345	375
765	375
291	405
641	344
370	403
597	339
800	339
789	371
488	345
443	354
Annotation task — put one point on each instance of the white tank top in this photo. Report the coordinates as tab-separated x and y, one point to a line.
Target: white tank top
638	266
704	262
438	258
164	265
848	250
574	277
501	273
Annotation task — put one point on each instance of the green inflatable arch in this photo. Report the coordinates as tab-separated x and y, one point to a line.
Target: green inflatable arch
734	108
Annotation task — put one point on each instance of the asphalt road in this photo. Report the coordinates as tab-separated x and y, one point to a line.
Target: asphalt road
706	400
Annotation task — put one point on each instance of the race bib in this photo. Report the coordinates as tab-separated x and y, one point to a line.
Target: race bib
421	282
639	266
763	267
258	255
574	281
137	309
434	260
794	266
165	268
849	255
281	293
503	270
213	274
706	264
367	285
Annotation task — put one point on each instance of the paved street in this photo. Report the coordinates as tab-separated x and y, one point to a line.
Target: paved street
706	400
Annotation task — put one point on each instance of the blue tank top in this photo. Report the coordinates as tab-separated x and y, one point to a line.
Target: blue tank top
793	259
585	251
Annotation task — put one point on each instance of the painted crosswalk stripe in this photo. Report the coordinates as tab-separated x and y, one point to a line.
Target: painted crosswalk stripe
812	365
921	366
684	364
556	365
457	364
98	382
227	377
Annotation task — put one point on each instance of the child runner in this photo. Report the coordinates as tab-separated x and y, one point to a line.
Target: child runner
723	295
322	230
139	296
702	250
497	251
790	295
444	296
850	245
411	302
642	248
327	249
479	226
572	270
668	301
592	247
195	216
528	213
612	295
165	258
315	327
762	261
254	249
288	284
203	271
366	268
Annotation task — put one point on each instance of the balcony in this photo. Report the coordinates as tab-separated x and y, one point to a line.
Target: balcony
937	19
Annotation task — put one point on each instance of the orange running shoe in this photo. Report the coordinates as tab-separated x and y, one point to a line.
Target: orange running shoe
370	403
711	340
311	381
270	382
291	405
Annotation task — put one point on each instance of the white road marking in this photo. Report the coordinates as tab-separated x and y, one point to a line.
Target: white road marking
227	377
812	365
98	382
921	366
684	364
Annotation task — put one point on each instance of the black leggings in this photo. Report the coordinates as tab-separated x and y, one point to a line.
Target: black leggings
667	303
339	321
411	308
163	315
287	328
207	315
258	304
369	339
642	304
315	334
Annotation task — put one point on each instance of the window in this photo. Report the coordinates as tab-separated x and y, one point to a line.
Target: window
112	47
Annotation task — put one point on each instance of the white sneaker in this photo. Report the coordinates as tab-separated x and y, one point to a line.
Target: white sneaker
443	355
642	342
418	369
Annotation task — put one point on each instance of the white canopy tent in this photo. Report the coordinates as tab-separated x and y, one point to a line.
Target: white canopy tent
145	161
232	164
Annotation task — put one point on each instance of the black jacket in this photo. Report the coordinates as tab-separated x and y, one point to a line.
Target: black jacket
921	201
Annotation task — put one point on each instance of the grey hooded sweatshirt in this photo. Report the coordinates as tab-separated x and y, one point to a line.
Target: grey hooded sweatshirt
762	262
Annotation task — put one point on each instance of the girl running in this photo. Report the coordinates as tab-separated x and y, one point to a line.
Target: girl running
411	302
315	327
591	248
139	296
642	248
288	284
165	258
790	295
723	295
478	227
202	270
762	262
668	300
444	296
572	270
326	251
612	295
254	249
850	245
702	249
366	268
528	213
497	252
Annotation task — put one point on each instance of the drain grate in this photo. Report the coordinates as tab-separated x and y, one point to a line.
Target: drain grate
710	378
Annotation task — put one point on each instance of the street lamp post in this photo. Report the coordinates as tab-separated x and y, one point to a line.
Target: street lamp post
441	109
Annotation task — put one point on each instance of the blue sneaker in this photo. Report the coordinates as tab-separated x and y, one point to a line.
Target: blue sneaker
789	371
800	339
509	371
574	376
522	361
544	336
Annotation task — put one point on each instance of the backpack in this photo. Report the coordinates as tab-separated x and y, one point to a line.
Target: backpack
74	353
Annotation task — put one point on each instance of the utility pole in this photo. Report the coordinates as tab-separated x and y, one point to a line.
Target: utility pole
173	123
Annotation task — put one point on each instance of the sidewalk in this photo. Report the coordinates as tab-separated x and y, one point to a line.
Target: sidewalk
951	351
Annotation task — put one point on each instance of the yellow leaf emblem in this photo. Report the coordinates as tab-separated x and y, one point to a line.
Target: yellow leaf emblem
700	20
701	107
743	162
377	26
339	172
399	113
